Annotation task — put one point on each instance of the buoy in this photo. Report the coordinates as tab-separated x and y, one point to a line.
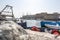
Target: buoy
34	28
55	32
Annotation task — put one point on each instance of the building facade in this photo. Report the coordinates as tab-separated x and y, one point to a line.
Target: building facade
43	16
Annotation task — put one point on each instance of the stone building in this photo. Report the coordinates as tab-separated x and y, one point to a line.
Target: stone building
44	16
28	17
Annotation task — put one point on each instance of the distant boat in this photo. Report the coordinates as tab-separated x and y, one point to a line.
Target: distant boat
53	26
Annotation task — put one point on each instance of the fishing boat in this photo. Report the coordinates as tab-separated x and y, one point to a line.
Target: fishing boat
53	26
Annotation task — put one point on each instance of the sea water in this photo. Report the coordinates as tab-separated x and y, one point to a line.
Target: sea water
40	23
31	23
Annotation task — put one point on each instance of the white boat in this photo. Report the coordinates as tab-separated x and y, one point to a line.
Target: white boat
53	26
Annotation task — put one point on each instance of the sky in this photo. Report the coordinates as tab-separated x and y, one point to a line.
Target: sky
30	7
